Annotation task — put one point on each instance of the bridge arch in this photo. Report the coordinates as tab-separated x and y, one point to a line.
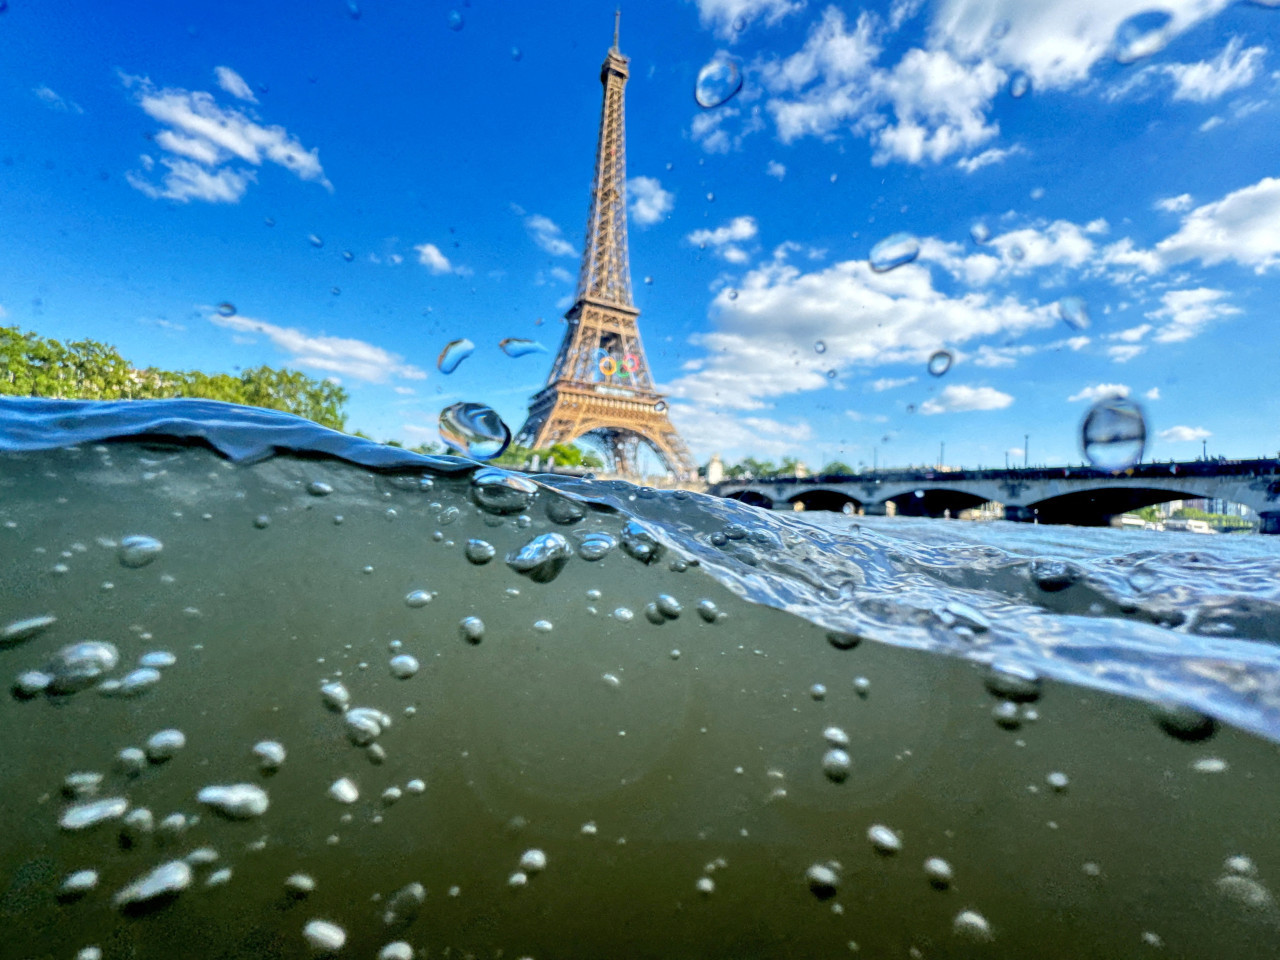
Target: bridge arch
1096	507
752	498
934	502
835	501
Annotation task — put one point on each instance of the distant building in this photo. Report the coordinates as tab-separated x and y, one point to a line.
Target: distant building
715	469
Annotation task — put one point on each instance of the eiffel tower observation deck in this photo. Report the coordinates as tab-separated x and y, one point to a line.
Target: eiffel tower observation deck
600	387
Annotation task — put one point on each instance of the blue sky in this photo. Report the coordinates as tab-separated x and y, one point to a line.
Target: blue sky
159	162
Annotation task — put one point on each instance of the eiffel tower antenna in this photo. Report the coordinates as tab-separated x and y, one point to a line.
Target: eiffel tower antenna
600	386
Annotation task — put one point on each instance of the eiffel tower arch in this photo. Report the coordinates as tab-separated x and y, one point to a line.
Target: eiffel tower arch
600	386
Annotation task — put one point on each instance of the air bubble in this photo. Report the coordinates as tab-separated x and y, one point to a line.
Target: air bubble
138	551
1113	434
836	737
164	745
270	755
822	881
471	629
158	886
344	790
836	765
533	861
938	872
708	611
1183	722
404	905
81	816
318	488
20	630
884	840
299	885
403	666
499	492
78	884
718	82
323	936
237	801
1013	681
336	696
594	546
542	558
971	925
894	251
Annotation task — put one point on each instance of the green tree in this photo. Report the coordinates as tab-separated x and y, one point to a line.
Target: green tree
837	466
32	366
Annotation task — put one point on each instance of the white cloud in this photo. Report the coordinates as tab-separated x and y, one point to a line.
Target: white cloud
728	17
1207	80
940	106
561	274
1123	353
987	158
736	436
429	256
864	318
960	398
1214	121
1100	391
890	383
1175	204
1185	313
1243	226
775	169
234	84
547	235
203	137
1056	42
188	180
356	358
1059	243
1132	334
406	391
1153	393
725	239
649	202
988	356
1184	434
55	101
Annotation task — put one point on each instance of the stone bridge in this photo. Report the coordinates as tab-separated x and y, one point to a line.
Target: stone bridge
1078	495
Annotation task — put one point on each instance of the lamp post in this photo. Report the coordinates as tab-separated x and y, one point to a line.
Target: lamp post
1026	450
1204	449
942	453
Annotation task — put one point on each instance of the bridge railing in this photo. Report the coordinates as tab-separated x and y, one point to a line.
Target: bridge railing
1163	471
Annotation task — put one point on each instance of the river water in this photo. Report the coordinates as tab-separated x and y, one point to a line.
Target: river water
282	692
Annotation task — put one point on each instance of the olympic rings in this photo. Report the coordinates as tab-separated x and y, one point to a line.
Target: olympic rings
610	367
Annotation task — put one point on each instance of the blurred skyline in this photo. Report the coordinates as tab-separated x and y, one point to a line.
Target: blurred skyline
366	182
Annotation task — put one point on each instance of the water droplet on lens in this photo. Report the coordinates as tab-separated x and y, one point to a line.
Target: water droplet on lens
348	256
648	281
1074	312
474	430
819	346
1113	434
1019	84
353	9
138	551
454	352
227	309
980	232
515	347
939	363
718	82
316	240
894	251
1142	35
455	21
516	54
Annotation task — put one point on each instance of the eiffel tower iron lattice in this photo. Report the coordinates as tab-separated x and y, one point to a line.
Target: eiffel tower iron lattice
600	386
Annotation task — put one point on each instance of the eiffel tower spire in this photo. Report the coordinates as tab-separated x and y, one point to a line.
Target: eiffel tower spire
600	386
606	268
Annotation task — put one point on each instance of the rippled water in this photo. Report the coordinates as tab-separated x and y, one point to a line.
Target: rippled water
279	692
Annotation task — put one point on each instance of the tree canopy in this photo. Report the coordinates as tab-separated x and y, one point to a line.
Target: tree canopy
34	366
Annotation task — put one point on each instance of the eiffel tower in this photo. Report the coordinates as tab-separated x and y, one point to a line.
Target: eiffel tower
599	386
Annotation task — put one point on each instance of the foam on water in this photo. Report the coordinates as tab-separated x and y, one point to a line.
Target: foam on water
793	746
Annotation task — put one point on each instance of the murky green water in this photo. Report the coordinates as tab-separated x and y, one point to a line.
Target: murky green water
676	773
